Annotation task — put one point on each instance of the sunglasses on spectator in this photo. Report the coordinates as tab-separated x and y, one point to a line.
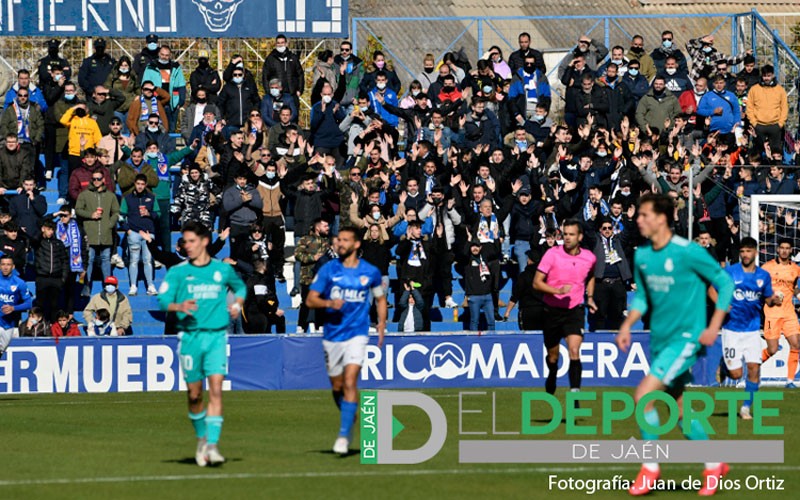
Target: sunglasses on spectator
355	174
148	89
22	95
238	74
152	123
666	38
345	49
97	178
605	228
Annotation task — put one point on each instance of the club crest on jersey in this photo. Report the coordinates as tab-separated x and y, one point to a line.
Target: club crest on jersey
217	276
669	266
13	288
363	280
760	283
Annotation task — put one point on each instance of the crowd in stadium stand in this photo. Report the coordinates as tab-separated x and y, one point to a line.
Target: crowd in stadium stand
465	172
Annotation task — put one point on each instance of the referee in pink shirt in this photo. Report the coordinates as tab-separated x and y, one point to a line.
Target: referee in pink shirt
565	275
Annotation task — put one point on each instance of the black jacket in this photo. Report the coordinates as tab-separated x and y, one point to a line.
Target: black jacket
523	293
473	284
524	218
44	65
141	61
17	249
577	100
206	78
51	259
94	71
261	303
378	254
286	68
236	101
517	60
28	213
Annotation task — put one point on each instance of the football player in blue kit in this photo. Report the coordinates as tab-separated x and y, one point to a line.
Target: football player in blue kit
741	337
342	287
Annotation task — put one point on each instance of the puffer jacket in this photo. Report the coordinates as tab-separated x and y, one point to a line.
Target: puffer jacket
52	260
193	201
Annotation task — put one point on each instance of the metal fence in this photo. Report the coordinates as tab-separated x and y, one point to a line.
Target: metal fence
405	41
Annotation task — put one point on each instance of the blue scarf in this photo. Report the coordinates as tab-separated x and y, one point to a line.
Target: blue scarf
23	122
70	235
488	231
162	167
145	110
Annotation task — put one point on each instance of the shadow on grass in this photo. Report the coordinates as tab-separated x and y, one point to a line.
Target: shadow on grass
350	453
190	461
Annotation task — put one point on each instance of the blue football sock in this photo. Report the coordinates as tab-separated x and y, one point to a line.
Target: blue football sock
213	429
750	388
348	415
199	423
696	431
651	417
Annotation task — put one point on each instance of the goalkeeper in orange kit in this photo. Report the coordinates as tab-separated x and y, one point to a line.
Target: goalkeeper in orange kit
783	319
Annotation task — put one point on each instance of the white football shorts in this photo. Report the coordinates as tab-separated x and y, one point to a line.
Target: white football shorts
348	352
740	345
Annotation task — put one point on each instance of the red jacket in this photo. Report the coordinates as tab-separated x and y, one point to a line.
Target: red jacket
688	104
72	330
81	179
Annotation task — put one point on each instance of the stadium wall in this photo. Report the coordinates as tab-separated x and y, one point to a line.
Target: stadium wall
275	362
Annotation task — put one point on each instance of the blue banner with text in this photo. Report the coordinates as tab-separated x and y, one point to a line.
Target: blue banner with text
175	18
272	362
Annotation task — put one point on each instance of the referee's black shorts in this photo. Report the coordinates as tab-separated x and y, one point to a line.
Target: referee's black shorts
560	322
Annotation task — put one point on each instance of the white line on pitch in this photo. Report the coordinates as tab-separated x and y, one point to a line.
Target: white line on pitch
302	475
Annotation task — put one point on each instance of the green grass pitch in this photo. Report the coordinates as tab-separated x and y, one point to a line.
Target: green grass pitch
116	446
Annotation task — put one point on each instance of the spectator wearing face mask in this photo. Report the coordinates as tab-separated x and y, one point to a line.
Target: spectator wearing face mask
668	48
195	114
116	305
379	64
149	105
529	89
148	54
102	326
274	100
284	65
168	75
637	51
52	60
705	57
205	77
36	325
95	68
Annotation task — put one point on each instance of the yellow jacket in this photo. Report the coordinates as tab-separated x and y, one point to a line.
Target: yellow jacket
767	105
80	127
